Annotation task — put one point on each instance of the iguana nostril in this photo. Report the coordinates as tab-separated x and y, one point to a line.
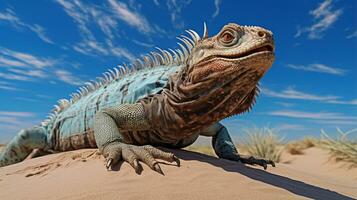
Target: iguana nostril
261	33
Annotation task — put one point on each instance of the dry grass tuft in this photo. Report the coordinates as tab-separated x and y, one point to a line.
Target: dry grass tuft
208	150
263	143
342	148
298	147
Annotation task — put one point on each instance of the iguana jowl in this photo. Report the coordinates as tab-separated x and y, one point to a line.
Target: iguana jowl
169	100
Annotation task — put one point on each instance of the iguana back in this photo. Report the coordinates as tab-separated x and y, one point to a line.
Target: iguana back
72	127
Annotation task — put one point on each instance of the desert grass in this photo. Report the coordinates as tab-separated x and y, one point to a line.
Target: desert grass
297	147
341	149
263	143
205	149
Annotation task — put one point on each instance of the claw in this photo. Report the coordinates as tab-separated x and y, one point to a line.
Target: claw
109	163
265	166
272	163
136	166
177	160
254	161
158	169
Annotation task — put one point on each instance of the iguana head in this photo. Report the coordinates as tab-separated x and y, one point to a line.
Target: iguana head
222	72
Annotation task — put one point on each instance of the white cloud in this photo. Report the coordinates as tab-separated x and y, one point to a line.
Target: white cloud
32	72
217	3
11	76
285	104
175	9
68	77
16	114
291	93
336	122
321	68
351	102
12	122
41	33
312	115
10	16
330	118
290	127
324	16
7	86
130	17
16	57
352	35
22	66
144	44
156	2
87	15
10	62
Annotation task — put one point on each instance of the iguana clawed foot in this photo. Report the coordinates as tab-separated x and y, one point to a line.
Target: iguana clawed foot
256	161
133	154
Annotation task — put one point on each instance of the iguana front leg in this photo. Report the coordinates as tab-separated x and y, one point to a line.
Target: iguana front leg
224	147
107	125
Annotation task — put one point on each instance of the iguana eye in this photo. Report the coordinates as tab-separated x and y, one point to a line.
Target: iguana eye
228	37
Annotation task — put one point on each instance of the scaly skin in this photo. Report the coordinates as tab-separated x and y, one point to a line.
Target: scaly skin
169	105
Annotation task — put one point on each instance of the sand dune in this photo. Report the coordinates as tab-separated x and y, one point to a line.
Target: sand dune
82	175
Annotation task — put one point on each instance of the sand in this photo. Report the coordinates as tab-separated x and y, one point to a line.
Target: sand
82	175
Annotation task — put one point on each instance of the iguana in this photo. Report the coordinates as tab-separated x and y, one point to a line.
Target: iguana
167	98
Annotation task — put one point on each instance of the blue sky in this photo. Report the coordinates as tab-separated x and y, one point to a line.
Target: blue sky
49	48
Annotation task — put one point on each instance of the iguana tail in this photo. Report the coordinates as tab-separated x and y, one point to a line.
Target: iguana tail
22	145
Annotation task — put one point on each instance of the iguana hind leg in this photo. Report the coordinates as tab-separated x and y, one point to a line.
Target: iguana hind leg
107	125
224	147
22	145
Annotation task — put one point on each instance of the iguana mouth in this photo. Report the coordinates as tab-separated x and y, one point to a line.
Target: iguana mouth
264	48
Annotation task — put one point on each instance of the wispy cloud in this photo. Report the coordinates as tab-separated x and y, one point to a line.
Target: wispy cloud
285	104
13	121
175	9
68	77
321	68
351	102
130	17
156	2
144	44
12	76
324	16
105	18
31	72
291	93
312	115
8	86
289	127
331	118
352	35
217	4
22	66
10	62
20	59
16	114
10	16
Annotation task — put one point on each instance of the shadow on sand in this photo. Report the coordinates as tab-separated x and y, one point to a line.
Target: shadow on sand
294	186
